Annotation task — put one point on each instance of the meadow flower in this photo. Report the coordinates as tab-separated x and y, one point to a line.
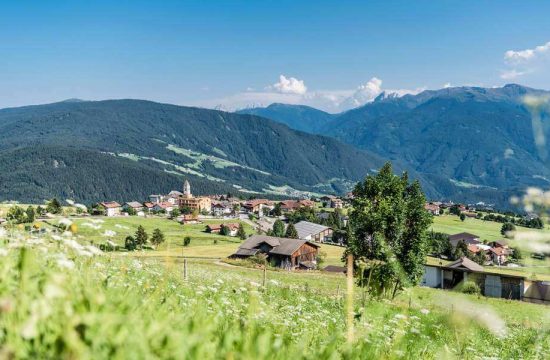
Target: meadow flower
65	222
65	263
109	233
425	311
3	252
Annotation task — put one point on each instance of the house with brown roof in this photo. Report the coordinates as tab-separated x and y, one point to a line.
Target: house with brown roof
293	205
254	206
499	255
112	208
281	252
432	208
135	206
217	228
164	207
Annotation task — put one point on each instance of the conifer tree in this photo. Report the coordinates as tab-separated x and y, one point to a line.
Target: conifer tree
291	232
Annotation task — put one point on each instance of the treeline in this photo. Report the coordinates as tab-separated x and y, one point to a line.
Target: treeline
32	175
534	223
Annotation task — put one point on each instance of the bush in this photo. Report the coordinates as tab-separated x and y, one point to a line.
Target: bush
469	287
186	241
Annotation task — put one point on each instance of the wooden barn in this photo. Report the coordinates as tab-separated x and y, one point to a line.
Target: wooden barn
281	252
492	284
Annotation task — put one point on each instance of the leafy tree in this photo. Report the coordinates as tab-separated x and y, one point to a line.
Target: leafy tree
16	215
130	243
236	208
462	217
460	250
303	214
225	230
131	211
277	210
278	228
53	206
291	232
186	210
141	236
241	233
175	213
516	254
186	241
30	214
455	210
506	228
439	244
157	238
479	258
389	228
40	210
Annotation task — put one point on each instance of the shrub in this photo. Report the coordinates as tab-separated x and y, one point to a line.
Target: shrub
186	241
469	287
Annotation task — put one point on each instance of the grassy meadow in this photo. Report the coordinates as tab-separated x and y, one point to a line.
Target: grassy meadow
490	231
61	299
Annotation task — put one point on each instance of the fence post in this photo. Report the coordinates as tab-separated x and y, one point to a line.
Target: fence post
265	278
349	299
184	269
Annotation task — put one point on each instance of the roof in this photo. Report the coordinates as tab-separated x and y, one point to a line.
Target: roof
464	262
256	202
279	246
110	204
464	236
148	204
165	205
500	243
175	193
134	204
306	228
499	251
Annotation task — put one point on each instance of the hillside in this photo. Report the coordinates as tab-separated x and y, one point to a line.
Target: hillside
109	144
470	143
299	117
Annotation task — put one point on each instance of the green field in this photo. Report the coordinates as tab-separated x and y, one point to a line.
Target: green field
58	300
96	229
489	230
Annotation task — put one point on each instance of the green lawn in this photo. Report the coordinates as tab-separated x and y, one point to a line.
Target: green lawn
97	229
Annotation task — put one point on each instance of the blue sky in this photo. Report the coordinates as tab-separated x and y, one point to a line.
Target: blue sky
331	54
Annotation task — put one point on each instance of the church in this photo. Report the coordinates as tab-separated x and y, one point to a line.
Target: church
202	203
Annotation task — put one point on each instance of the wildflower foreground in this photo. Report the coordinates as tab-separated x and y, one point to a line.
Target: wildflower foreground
60	299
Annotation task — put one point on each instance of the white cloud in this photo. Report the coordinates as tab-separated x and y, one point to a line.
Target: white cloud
511	74
290	90
521	56
523	62
447	85
289	85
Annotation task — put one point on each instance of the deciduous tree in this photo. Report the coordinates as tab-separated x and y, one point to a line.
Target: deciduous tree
388	227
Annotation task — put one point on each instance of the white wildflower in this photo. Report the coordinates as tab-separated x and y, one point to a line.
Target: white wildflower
109	233
3	252
65	222
425	311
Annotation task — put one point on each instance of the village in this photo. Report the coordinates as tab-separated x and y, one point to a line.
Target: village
297	234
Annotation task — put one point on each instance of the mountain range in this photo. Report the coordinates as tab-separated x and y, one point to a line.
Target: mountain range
127	149
466	144
471	143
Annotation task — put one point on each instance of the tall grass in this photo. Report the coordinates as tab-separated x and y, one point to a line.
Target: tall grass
59	299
